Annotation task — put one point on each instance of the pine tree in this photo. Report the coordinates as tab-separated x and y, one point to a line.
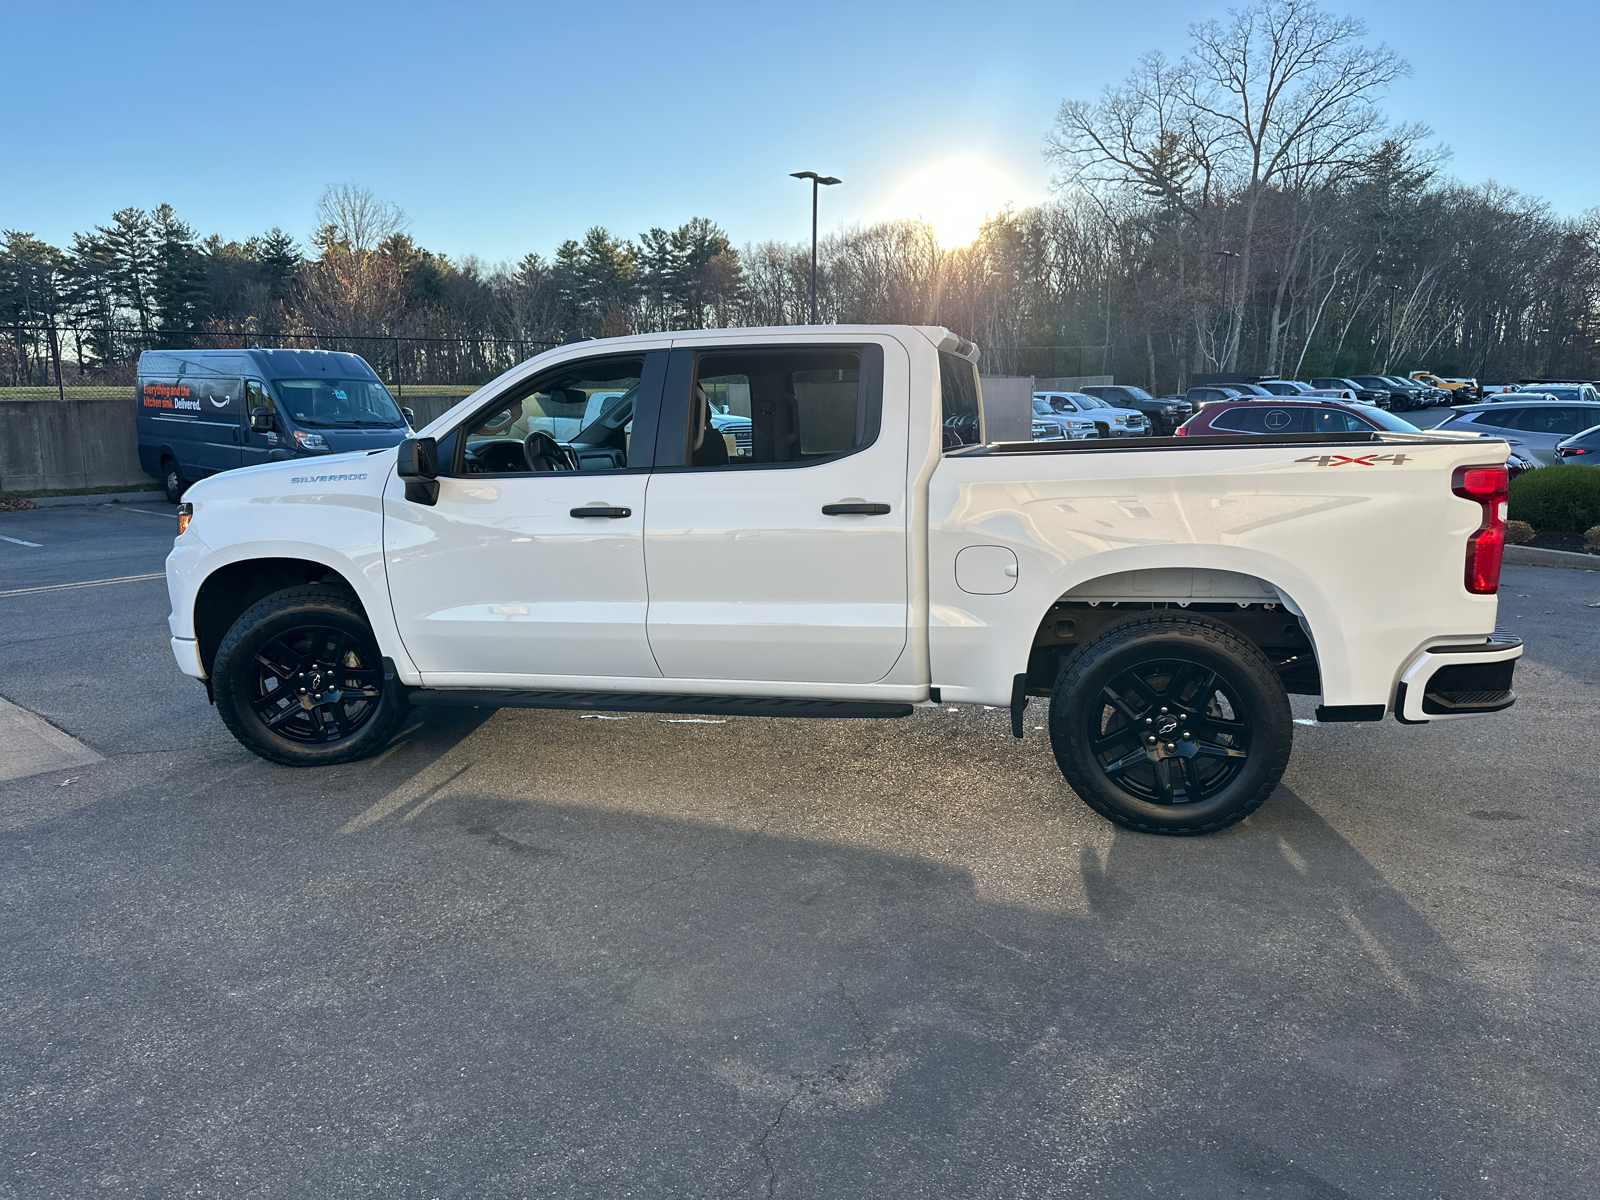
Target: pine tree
130	256
178	280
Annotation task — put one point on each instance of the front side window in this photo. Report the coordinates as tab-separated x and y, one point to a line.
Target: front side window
580	418
781	407
338	403
1327	420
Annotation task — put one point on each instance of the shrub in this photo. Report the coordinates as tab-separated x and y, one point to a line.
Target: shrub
1591	540
1518	533
1559	499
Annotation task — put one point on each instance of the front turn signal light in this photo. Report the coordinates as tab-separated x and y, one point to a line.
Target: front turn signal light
185	515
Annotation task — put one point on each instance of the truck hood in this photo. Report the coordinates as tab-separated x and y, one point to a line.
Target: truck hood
357	471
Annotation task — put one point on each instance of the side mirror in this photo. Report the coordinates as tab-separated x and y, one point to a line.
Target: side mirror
261	420
411	417
418	465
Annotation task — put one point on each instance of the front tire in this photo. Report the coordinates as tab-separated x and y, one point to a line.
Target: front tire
298	679
1171	724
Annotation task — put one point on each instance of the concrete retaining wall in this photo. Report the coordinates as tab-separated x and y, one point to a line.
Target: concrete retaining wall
72	443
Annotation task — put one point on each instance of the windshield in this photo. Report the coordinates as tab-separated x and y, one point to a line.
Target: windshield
1087	401
1137	393
1394	424
338	403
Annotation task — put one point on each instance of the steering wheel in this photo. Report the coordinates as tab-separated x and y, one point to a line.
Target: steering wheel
544	453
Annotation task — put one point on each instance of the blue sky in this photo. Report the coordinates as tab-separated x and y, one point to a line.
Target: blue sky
502	128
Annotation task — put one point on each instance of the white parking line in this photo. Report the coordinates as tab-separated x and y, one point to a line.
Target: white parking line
20	542
87	583
145	511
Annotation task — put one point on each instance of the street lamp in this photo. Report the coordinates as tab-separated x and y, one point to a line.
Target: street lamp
825	181
1227	317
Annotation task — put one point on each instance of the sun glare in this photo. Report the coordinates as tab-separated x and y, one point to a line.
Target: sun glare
954	196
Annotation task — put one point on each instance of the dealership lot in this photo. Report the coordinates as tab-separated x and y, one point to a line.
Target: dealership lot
556	953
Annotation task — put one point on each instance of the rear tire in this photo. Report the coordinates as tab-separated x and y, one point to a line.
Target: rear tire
173	481
1171	724
299	680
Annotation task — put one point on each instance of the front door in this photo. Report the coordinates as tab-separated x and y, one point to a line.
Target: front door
784	559
531	561
259	444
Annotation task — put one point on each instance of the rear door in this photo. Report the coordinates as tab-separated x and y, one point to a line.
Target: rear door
788	562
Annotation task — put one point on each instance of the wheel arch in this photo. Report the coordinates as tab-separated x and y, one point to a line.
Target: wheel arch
1260	608
233	587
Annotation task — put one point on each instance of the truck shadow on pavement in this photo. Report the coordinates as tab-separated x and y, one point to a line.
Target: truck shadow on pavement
438	974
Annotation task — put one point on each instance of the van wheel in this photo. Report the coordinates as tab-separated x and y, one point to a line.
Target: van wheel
172	480
1172	725
298	679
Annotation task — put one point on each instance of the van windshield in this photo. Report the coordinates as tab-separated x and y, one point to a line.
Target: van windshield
339	403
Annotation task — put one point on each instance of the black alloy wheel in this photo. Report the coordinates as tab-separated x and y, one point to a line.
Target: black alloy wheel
1171	724
316	684
299	679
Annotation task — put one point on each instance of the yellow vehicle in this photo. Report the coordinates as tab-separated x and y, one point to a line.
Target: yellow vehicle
1466	386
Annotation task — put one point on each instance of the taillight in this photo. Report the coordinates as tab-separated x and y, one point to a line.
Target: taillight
1569	451
1180	431
1485	548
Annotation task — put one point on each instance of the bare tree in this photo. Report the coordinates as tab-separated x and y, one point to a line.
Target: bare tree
355	220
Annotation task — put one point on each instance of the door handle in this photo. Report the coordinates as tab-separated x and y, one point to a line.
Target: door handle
865	510
602	511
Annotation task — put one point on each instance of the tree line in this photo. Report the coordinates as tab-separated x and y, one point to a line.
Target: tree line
1248	206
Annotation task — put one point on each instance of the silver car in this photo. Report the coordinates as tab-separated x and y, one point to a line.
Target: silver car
1069	423
1108	421
1539	425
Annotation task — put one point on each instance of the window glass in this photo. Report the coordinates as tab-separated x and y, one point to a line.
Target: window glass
1498	418
580	418
1332	421
761	408
960	400
1265	419
338	403
1556	420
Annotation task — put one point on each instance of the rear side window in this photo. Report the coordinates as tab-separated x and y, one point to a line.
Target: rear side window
784	406
960	401
1562	421
1498	418
1263	419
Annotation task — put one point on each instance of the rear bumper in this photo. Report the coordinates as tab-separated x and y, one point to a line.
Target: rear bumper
1448	682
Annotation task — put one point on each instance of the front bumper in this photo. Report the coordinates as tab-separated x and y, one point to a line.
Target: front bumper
1445	683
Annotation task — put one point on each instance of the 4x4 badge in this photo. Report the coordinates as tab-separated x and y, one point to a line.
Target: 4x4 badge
1365	460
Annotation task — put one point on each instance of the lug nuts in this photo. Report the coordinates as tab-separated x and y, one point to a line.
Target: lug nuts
1151	740
1170	746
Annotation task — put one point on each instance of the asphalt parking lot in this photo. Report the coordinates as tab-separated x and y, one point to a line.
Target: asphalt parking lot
554	954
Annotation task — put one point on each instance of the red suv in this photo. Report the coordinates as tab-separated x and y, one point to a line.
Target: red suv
1229	417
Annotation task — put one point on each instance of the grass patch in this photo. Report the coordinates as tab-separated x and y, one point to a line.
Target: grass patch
87	392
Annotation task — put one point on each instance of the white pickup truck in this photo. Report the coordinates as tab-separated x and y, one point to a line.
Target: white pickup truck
858	550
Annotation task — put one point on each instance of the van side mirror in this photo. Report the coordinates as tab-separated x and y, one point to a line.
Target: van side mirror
411	417
418	465
261	420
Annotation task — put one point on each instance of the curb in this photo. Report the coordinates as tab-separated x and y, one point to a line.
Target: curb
1532	556
101	498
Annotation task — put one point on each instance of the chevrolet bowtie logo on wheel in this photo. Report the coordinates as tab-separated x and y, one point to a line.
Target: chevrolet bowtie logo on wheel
1365	460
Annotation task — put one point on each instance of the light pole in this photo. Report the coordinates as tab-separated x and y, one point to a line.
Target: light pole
825	181
1394	292
1227	317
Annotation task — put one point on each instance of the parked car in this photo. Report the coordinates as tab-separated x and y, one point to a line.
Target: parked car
1048	431
1342	395
1366	395
1520	393
1067	421
1461	388
1284	387
1199	396
1585	393
198	412
1539	425
1431	396
1165	415
1291	416
1582	448
1403	396
1109	421
858	565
